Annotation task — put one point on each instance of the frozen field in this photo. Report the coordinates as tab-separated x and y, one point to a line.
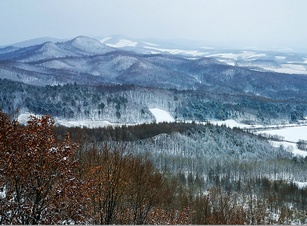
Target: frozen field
291	134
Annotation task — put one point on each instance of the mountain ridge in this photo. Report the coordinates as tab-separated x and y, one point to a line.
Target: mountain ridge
87	61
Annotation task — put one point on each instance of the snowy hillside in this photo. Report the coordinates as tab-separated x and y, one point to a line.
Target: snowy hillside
269	60
161	115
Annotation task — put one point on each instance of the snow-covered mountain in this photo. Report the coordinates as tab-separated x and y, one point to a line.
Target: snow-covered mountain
109	60
77	47
267	61
272	61
35	41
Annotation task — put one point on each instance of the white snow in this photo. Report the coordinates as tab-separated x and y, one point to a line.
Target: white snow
280	57
105	39
161	115
207	47
229	123
3	192
232	123
290	147
24	117
289	133
300	185
230	62
289	69
151	44
84	123
123	43
246	55
89	45
178	51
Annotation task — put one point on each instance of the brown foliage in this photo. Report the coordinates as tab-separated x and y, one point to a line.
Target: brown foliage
37	174
124	189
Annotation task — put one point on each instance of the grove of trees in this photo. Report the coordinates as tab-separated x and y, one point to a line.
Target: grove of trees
48	176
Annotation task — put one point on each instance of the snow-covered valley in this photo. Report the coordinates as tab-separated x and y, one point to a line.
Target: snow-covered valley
289	133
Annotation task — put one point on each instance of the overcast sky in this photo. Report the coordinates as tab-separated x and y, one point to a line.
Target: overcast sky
247	23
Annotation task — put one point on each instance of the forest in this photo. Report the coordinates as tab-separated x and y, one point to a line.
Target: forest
167	173
130	103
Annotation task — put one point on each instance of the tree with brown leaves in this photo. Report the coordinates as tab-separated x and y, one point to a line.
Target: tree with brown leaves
37	175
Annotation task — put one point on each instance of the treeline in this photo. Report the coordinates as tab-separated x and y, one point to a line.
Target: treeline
251	109
128	133
72	101
131	104
46	179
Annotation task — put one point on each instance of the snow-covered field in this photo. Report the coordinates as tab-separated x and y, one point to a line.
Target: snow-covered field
84	123
289	133
123	43
232	123
161	115
178	51
288	68
292	134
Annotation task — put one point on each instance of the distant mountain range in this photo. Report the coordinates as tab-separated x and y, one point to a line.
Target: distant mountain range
218	80
110	60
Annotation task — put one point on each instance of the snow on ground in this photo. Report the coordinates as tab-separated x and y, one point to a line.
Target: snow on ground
292	134
151	44
300	185
288	68
230	62
178	51
229	123
105	39
290	147
247	55
280	57
232	123
161	115
207	47
123	43
24	117
289	133
83	123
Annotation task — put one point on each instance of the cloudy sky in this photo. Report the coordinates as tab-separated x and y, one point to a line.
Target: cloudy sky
246	23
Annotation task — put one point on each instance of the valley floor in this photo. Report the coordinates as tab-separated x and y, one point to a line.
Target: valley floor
289	134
